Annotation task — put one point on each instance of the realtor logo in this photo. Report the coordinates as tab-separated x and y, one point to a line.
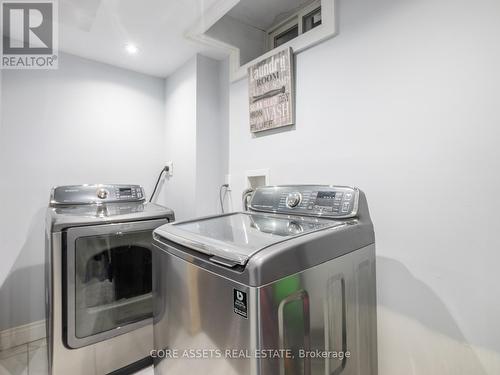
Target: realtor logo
29	31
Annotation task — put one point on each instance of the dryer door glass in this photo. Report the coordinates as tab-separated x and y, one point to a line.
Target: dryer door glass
113	281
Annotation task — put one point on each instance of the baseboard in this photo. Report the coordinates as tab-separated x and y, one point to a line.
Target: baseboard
22	335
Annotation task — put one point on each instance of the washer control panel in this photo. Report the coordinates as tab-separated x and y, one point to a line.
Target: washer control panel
96	194
310	200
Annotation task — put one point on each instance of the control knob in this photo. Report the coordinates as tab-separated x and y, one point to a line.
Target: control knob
102	193
293	200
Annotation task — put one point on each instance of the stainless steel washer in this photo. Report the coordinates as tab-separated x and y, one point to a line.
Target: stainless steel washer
285	288
99	277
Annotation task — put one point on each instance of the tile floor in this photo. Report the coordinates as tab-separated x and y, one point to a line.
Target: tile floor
31	359
28	359
146	371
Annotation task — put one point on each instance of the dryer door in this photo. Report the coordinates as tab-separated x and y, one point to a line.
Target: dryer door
108	280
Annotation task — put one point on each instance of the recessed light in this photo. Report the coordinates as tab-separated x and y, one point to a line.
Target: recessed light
131	49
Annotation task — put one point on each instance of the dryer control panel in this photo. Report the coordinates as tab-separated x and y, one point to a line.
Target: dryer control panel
95	194
309	200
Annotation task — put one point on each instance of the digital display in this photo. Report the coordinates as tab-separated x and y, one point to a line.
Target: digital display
326	195
125	191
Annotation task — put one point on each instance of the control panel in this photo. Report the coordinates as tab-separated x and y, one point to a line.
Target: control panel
96	194
309	200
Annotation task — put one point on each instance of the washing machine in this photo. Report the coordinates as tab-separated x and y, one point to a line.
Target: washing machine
99	278
287	287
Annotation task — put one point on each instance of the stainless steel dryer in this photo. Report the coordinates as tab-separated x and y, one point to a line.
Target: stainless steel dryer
99	278
286	288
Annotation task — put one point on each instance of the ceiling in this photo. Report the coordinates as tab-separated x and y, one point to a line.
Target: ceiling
263	14
101	29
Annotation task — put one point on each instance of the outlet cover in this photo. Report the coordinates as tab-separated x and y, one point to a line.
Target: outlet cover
170	165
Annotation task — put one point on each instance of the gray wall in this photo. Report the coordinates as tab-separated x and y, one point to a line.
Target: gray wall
84	123
404	104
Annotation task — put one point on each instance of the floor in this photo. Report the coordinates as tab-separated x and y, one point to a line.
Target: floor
146	371
28	359
31	359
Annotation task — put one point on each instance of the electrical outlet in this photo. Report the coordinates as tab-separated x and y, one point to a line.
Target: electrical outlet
170	165
227	180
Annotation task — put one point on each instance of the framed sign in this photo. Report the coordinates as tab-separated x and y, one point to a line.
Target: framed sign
271	92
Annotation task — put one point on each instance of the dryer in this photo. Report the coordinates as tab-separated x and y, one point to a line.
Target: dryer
99	278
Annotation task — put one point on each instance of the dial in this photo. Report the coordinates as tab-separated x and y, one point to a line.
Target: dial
102	193
293	200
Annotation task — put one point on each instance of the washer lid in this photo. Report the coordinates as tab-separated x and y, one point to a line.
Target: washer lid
233	238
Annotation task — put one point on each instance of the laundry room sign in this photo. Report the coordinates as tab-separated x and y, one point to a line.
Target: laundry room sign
271	92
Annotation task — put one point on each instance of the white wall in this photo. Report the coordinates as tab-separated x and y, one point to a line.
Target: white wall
180	146
250	40
196	137
84	123
212	129
404	104
93	123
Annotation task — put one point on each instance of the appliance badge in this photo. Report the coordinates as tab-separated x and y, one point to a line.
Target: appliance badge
240	303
